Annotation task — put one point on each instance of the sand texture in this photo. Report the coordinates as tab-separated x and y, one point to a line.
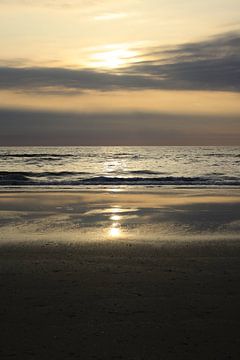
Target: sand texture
164	285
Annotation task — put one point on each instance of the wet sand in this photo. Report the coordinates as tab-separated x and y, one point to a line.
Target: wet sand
108	275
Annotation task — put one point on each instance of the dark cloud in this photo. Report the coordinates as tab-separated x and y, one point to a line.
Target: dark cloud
19	127
213	64
227	44
35	78
208	65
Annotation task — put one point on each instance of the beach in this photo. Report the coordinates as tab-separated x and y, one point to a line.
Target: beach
120	274
119	180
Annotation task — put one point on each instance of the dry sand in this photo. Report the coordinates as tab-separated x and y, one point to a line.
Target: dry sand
113	295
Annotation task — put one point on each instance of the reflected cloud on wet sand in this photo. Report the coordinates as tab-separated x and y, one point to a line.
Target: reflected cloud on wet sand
146	217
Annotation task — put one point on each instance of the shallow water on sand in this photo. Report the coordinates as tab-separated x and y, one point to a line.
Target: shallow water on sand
150	217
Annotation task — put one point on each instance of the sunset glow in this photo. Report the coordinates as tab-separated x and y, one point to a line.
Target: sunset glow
112	59
131	66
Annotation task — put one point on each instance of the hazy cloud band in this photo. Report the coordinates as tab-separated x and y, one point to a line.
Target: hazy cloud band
20	127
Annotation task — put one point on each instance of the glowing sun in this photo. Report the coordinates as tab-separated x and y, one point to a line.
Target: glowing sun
113	59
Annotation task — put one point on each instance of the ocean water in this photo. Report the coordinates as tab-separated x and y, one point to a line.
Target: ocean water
94	167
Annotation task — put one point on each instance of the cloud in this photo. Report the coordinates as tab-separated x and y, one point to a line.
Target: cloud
52	78
58	3
207	65
48	2
213	64
21	127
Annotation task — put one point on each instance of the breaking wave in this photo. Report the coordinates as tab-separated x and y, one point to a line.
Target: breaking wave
66	178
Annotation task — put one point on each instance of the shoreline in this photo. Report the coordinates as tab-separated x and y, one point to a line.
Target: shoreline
117	188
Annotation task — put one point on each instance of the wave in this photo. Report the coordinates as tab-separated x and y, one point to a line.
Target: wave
41	174
167	180
145	172
36	155
220	155
65	178
29	178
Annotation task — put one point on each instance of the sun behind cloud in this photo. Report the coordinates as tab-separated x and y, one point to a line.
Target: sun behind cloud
113	58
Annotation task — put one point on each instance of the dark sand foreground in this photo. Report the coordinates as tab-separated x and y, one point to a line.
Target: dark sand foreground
120	275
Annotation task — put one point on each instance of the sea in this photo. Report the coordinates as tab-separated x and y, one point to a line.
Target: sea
74	168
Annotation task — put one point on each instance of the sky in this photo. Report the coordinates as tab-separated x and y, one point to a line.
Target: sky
129	72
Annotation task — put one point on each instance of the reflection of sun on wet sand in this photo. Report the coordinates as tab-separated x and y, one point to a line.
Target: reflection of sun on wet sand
115	230
127	275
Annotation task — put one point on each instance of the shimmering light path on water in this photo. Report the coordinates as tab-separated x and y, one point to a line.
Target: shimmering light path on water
73	167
